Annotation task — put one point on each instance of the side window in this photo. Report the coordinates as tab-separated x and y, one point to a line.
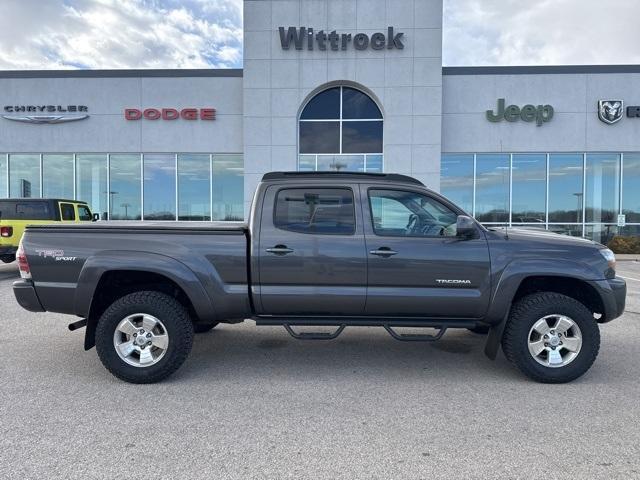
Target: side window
84	214
400	213
67	211
316	210
32	211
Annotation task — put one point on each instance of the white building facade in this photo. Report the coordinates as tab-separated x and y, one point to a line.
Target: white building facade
332	85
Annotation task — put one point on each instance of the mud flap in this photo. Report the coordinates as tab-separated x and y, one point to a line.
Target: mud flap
494	338
90	333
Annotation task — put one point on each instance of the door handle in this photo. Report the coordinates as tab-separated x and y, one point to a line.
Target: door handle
280	250
383	252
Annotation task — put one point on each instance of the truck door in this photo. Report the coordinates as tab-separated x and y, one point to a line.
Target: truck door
417	266
312	258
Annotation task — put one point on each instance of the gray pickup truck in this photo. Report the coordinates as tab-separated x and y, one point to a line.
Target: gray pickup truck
331	250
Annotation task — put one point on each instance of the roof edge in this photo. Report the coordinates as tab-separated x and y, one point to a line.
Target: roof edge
540	69
123	73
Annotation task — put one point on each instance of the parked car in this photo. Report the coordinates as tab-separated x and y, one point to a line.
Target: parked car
325	249
17	213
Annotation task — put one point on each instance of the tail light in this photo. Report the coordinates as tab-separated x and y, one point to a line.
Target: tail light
23	263
6	232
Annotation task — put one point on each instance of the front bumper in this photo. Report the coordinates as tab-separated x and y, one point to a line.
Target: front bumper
26	296
613	293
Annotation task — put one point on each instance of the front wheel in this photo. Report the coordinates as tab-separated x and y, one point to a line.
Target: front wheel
551	338
144	337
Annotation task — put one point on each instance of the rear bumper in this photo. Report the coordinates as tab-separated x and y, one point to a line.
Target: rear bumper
8	250
613	293
26	296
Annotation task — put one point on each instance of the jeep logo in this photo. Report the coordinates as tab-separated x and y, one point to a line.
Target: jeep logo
529	113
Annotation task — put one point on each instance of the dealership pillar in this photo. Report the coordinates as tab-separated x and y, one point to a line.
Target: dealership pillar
404	77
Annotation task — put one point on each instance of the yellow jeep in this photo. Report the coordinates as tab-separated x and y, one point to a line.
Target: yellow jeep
17	213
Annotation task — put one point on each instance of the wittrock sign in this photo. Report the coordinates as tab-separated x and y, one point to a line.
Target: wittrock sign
305	37
529	113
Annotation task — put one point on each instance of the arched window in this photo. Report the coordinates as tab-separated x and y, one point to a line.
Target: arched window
340	129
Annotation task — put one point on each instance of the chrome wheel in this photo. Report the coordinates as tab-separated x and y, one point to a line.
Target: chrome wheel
555	341
141	340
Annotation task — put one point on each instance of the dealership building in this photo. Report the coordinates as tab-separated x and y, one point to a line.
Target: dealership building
343	85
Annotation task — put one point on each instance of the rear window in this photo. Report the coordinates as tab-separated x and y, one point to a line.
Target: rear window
67	211
26	211
319	210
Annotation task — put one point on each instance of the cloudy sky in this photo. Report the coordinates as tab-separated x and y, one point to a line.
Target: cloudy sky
51	34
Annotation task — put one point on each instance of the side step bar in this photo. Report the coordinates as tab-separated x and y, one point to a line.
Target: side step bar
403	337
415	337
314	335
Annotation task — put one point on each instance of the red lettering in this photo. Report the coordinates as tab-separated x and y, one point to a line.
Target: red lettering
151	113
189	113
132	114
170	114
207	114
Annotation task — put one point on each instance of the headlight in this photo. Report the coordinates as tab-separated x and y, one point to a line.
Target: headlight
609	256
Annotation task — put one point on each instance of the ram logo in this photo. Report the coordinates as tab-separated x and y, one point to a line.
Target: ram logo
443	281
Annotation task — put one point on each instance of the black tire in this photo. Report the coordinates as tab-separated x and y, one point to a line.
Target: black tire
178	327
204	327
526	312
8	258
480	329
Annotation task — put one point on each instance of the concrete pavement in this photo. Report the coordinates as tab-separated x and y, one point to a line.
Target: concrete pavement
254	403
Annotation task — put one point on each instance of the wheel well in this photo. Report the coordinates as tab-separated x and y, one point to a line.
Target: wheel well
571	287
117	283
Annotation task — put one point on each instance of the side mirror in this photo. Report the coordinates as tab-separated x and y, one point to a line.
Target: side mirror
465	227
96	217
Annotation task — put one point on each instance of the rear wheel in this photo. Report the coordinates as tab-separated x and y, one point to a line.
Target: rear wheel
8	258
551	338
144	337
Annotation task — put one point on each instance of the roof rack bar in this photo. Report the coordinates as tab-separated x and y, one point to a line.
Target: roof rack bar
396	177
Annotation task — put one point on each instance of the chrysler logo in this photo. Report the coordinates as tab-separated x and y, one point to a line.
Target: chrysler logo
40	114
610	111
39	119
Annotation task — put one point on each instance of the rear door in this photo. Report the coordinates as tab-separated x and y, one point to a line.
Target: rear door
417	265
67	212
312	258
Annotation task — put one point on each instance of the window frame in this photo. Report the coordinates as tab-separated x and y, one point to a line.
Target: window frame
437	198
353	206
73	209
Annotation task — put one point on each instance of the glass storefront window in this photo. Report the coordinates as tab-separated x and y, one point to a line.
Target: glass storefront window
3	176
194	188
565	187
91	182
456	180
306	163
159	186
125	187
57	176
631	187
492	187
571	230
602	187
24	173
373	163
529	183
228	187
341	163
